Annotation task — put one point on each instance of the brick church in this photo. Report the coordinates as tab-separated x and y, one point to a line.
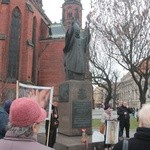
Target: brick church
31	46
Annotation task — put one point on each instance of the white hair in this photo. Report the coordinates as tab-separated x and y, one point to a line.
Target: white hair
144	116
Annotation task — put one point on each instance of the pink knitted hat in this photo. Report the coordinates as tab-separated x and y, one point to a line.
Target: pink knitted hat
26	111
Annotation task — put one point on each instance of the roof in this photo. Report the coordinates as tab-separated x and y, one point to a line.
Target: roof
57	30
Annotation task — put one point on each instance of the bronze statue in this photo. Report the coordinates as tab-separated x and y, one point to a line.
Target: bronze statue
75	53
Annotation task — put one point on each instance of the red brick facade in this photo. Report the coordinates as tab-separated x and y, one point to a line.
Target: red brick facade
37	52
71	9
48	53
51	64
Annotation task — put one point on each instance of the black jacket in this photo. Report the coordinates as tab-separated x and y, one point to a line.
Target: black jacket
121	110
54	117
140	141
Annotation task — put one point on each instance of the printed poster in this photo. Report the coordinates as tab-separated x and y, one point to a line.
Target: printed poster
43	95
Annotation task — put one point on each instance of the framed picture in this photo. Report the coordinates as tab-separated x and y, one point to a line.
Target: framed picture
43	95
112	132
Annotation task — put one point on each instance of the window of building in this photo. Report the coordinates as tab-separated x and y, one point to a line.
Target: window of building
34	43
77	14
44	30
69	14
14	45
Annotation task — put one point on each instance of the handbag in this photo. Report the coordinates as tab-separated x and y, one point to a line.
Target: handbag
102	128
125	144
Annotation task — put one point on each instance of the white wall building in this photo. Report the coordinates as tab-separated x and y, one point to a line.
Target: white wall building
128	91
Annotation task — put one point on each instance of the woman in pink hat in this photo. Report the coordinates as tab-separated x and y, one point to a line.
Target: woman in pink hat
25	118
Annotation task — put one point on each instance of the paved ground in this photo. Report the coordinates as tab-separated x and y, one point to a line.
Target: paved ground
74	143
96	136
96	114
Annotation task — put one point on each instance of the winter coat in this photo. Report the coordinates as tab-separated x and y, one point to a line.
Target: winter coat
121	110
12	143
3	122
54	117
140	141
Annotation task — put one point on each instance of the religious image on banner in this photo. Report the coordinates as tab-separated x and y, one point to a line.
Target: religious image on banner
43	95
112	132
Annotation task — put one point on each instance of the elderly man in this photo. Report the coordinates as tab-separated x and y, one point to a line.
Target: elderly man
141	139
124	117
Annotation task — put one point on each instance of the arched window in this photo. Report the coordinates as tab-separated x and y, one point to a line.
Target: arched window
69	15
34	43
14	45
77	14
64	15
34	31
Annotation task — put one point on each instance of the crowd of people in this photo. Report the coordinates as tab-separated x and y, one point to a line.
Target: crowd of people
141	138
22	117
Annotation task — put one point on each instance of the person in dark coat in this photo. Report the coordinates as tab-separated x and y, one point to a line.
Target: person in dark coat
54	123
7	105
4	112
124	118
141	139
3	122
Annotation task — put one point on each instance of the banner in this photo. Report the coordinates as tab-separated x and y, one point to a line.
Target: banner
43	95
112	132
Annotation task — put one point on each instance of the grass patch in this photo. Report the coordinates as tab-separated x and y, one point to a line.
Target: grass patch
96	123
133	123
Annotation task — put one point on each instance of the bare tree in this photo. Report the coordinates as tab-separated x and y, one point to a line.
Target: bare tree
103	69
124	29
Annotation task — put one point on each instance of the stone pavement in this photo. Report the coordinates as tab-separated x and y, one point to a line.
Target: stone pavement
96	137
95	140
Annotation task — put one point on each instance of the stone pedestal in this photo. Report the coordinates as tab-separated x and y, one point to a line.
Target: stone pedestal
74	143
75	108
63	142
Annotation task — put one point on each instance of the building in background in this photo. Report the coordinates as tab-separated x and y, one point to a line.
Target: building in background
128	91
71	9
99	94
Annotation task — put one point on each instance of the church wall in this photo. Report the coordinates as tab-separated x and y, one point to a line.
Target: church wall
51	64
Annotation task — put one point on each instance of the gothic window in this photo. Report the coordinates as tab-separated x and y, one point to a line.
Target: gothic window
13	54
77	14
43	30
69	15
63	15
34	31
34	43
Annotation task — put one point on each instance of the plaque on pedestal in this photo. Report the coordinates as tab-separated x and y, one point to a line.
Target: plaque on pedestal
75	108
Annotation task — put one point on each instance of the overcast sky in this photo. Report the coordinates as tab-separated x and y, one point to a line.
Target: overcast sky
53	9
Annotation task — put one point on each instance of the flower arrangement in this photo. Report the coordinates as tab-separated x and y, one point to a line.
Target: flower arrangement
84	138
